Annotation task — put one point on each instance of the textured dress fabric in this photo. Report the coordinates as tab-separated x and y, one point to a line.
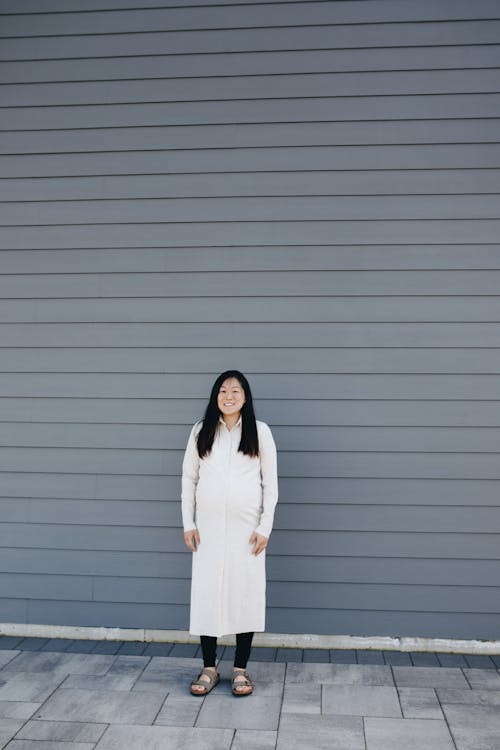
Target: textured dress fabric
228	495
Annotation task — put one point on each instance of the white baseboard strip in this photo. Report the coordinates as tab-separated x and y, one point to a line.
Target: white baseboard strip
273	640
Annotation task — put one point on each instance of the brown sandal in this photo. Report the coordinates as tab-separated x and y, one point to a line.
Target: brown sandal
214	679
247	682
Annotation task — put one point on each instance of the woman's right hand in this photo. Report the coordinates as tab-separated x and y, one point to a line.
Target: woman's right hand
192	539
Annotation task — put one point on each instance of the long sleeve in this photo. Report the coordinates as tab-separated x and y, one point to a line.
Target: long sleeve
269	474
190	472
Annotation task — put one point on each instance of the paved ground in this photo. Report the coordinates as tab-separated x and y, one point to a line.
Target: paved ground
80	695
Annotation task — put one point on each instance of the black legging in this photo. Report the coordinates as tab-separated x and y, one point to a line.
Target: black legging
243	647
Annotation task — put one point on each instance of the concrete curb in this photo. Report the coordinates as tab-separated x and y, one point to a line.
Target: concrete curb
273	640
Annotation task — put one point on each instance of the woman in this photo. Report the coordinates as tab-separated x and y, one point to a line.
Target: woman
229	494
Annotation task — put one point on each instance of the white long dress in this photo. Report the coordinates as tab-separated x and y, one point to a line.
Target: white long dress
227	496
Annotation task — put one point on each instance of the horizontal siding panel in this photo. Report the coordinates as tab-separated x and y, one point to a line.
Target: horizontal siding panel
308	516
256	258
387	598
356	570
279	568
246	15
311	109
259	209
256	135
315	595
141	590
110	563
342	36
424	624
274	87
372	182
297	412
120	385
230	233
292	464
283	159
354	490
288	438
252	284
103	614
255	334
58	587
252	360
317	543
303	620
375	12
254	63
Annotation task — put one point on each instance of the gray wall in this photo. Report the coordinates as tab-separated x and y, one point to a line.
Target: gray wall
316	203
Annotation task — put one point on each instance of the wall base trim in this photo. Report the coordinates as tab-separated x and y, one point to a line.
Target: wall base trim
273	640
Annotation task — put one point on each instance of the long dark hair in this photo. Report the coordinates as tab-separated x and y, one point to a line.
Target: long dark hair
249	443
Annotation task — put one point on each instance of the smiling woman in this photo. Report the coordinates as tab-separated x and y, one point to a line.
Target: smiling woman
229	495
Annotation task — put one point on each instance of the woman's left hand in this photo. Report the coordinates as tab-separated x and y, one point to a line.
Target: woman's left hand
260	542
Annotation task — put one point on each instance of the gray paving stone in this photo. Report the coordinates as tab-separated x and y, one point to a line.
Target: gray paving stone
470	697
165	674
179	712
17	709
107	647
63	663
341	656
128	665
132	647
496	660
302	698
187	649
32	644
316	654
252	712
397	658
370	657
410	734
82	646
164	738
99	682
6	656
113	707
8	728
56	644
451	660
254	739
478	728
67	731
486	679
30	687
324	732
429	677
360	700
49	745
424	660
158	649
9	641
479	661
289	654
340	674
263	653
420	703
226	652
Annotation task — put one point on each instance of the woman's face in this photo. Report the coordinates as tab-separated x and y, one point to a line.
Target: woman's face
231	397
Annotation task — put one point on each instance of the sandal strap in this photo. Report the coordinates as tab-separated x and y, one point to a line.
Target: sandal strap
212	675
244	682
